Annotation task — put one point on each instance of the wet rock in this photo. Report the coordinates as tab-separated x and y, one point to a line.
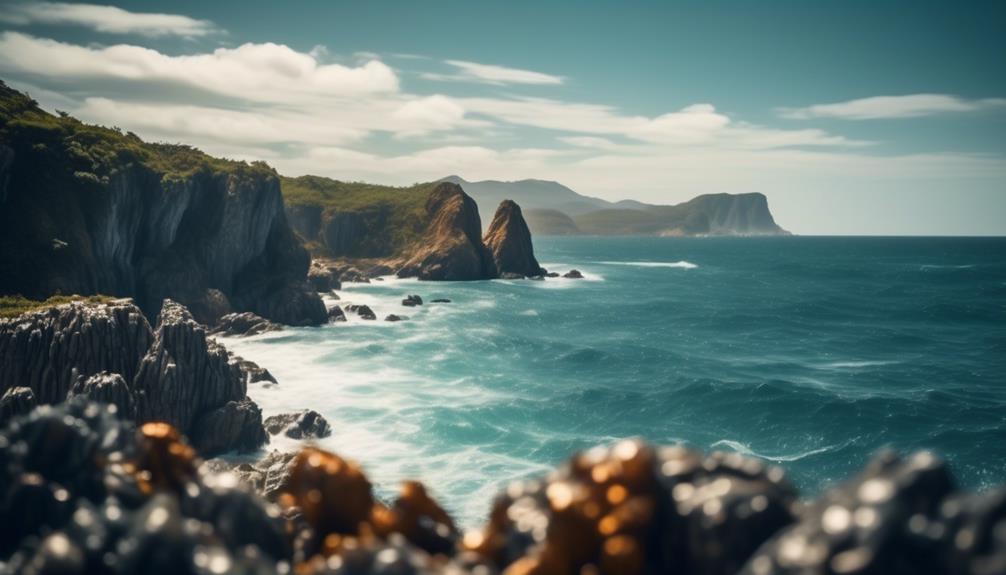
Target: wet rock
393	317
108	388
362	310
16	401
412	301
253	372
244	325
353	275
552	275
509	241
573	275
335	314
511	276
441	300
47	350
301	425
234	426
322	280
885	521
185	376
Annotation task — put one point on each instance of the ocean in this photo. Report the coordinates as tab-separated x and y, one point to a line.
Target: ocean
809	352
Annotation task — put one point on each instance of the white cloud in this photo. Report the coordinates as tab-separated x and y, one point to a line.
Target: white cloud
589	142
258	72
883	107
106	19
490	74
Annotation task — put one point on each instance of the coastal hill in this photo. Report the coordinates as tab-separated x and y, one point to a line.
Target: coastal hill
91	210
554	209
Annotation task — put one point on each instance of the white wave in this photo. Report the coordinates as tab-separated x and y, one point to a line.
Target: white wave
744	449
926	267
685	265
529	312
854	364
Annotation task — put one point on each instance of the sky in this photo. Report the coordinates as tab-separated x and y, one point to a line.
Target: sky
853	117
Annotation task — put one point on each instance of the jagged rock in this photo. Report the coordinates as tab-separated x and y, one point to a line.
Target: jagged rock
47	350
268	476
234	426
573	275
362	310
16	401
108	388
352	275
301	425
336	314
253	372
210	307
412	301
509	241
441	300
452	248
393	317
185	375
322	280
244	324
885	521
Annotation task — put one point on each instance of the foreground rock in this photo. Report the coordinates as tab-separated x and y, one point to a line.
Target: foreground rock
244	325
307	424
109	353
91	497
509	241
452	246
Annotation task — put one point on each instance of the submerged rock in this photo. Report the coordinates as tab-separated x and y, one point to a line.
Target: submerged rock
244	325
441	300
509	241
301	425
393	317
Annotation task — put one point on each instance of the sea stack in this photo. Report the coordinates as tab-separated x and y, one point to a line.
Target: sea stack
509	241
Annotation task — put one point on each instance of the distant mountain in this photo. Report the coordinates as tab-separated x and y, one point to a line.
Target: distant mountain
551	208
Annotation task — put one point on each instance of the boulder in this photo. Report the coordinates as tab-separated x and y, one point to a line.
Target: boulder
552	274
362	310
253	372
441	300
393	317
108	388
16	401
335	314
573	275
509	241
234	426
244	325
452	247
323	279
301	425
412	301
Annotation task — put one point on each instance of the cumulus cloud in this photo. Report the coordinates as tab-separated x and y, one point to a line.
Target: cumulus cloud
885	107
261	72
491	74
105	19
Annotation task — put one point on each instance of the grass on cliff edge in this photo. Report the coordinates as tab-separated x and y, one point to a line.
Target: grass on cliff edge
15	305
93	153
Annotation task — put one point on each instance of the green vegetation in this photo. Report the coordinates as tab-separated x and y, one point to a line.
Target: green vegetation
15	305
93	153
393	217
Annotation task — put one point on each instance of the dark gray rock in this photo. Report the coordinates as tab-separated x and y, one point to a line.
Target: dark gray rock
301	425
552	275
441	300
244	324
335	314
511	276
108	388
234	426
573	275
412	301
253	372
16	401
362	310
393	317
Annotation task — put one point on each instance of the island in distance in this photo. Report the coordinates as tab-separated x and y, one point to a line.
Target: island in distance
551	208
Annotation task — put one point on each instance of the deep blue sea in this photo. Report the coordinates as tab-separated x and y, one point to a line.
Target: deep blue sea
809	352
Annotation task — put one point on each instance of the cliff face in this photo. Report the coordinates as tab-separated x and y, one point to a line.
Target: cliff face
110	353
451	248
88	210
734	214
509	241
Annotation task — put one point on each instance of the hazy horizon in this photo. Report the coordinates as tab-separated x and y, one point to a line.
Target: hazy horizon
882	118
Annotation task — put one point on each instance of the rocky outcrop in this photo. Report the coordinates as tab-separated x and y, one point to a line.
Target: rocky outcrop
190	382
412	300
109	353
363	311
452	247
244	325
335	314
107	388
269	476
322	278
509	241
301	425
100	212
16	401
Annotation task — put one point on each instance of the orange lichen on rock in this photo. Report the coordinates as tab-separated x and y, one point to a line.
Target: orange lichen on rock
164	460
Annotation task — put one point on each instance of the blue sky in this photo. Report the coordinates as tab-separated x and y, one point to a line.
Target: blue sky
853	117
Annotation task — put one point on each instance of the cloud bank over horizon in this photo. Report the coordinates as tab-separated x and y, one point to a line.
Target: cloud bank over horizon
399	118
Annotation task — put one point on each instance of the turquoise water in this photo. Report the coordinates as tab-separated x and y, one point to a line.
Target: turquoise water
809	352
